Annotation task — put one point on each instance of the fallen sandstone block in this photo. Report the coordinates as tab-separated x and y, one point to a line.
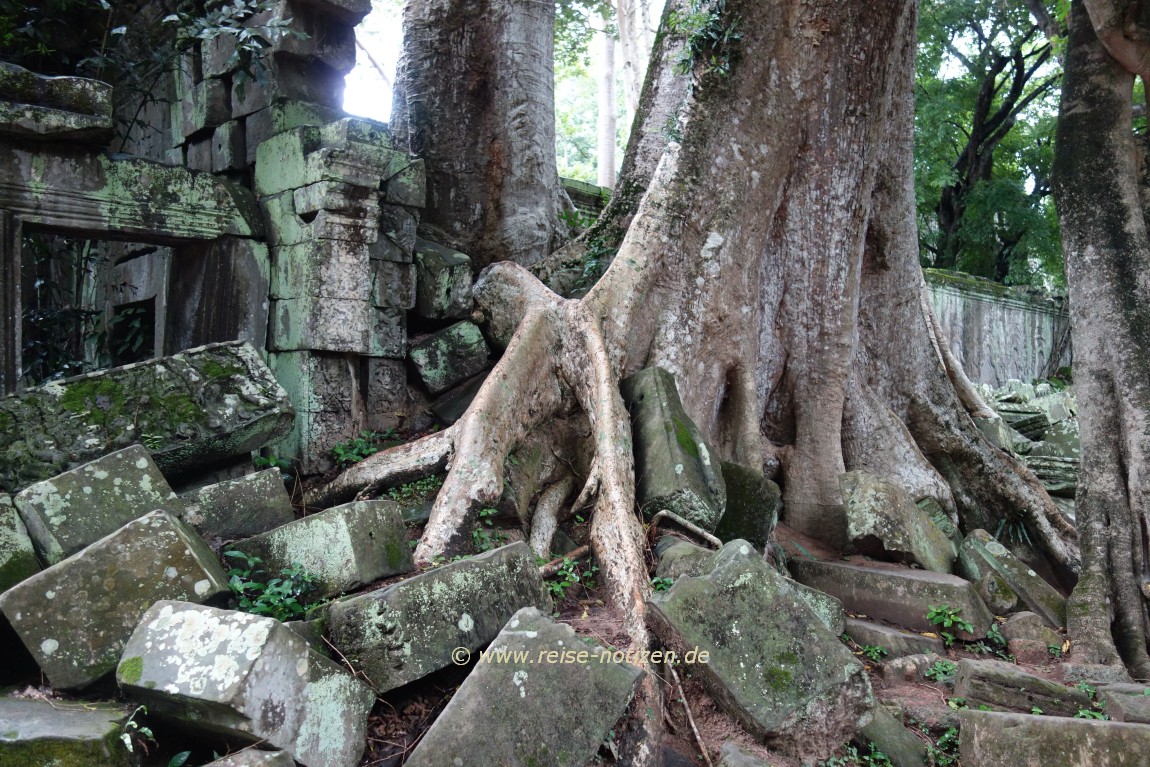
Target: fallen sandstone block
69	511
1023	740
239	508
247	676
410	629
883	522
17	555
42	733
76	616
504	712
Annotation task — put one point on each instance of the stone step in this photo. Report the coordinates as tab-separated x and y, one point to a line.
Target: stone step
990	739
1004	686
896	642
897	595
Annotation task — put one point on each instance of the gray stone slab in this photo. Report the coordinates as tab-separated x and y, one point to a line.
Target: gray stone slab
902	747
17	555
897	595
246	676
243	507
896	642
449	356
410	629
76	616
505	712
1004	686
772	664
71	94
1126	702
675	469
443	287
44	124
57	733
753	503
981	556
344	547
79	507
1023	740
201	406
883	522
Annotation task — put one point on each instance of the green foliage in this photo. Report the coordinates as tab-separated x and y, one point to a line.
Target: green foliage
875	652
662	584
135	735
284	598
852	757
1090	713
367	443
944	751
483	538
986	106
712	38
1054	650
942	671
417	491
945	617
572	573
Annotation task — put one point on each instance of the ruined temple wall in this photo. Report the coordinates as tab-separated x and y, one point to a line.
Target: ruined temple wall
997	332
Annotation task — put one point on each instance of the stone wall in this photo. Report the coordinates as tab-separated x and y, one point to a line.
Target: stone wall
997	332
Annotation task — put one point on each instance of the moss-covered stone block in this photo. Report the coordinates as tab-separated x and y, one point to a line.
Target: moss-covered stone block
675	469
510	695
883	522
1004	686
17	555
902	747
253	757
983	559
344	547
66	513
408	186
245	676
70	94
895	641
321	269
449	356
198	407
56	733
76	616
753	503
410	629
239	508
444	281
772	664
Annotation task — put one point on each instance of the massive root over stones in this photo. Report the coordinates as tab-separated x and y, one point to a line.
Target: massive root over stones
771	267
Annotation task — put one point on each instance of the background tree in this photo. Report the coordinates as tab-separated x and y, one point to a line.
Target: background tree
1100	182
987	83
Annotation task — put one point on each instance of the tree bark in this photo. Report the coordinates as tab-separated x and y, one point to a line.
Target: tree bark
1107	253
475	100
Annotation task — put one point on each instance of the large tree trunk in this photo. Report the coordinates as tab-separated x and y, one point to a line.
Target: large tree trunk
475	100
771	267
1107	252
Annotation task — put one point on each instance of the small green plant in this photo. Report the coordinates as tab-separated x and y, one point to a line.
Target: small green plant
283	598
852	757
576	220
366	444
942	671
1054	650
483	538
416	491
662	584
958	704
572	573
152	441
135	735
1087	688
1036	711
944	751
712	37
874	652
946	617
1090	713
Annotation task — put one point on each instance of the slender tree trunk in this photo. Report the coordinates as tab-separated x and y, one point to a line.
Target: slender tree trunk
475	100
1107	253
607	117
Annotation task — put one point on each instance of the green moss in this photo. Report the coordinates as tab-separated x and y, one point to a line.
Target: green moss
778	679
394	553
215	370
131	669
685	440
